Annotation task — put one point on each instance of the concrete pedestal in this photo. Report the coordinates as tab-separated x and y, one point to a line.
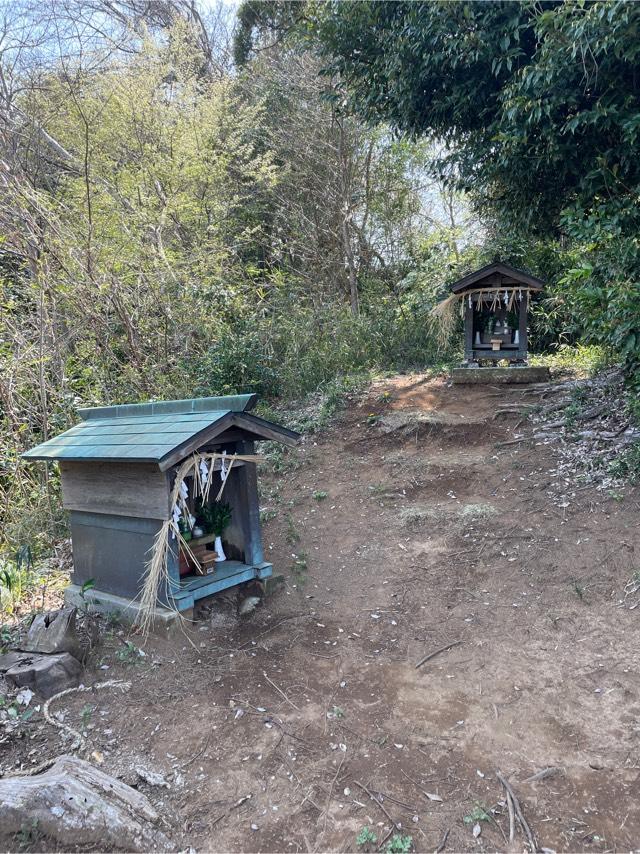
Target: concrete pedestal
125	610
500	376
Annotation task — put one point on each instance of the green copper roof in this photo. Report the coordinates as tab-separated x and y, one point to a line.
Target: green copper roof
143	432
231	403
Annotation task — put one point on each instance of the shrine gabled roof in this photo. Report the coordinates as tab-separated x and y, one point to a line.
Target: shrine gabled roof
497	275
161	432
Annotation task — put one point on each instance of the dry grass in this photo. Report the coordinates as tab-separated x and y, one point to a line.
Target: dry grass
458	516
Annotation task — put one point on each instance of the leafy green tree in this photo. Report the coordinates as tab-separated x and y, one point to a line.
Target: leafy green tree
169	229
538	106
533	99
258	20
131	246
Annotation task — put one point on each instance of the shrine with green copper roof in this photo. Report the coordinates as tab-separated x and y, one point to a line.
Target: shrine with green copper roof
118	470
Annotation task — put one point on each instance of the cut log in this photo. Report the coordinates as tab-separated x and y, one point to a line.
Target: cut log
52	632
79	808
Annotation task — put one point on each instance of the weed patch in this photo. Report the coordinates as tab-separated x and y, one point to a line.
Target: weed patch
366	837
399	844
299	567
292	535
478	813
130	654
584	360
626	466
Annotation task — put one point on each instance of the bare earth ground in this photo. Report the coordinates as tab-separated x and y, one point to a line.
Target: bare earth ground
272	728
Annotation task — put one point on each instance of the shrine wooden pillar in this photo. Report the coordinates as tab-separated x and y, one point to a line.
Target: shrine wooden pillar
522	326
468	328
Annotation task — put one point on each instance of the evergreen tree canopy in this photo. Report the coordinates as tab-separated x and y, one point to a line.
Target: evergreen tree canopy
538	106
539	103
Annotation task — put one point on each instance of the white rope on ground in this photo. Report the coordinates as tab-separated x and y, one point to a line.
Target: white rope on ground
78	736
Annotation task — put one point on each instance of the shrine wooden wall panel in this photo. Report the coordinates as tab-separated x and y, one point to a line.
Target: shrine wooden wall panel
138	490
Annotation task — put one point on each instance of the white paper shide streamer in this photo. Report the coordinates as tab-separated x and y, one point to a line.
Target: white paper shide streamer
200	468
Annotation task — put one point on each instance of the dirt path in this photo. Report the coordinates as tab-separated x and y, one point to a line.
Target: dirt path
272	730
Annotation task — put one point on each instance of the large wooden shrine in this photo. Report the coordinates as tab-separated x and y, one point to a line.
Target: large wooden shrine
496	304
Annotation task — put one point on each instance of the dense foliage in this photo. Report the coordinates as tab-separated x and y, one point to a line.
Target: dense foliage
176	224
171	227
538	104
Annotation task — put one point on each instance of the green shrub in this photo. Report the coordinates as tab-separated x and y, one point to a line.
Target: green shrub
366	837
235	364
399	844
585	360
627	464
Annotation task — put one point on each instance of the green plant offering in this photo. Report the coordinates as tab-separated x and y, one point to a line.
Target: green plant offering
220	516
215	517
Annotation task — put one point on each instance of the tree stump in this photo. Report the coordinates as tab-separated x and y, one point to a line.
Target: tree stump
53	632
78	807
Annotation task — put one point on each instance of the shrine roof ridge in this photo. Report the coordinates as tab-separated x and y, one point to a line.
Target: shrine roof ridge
497	275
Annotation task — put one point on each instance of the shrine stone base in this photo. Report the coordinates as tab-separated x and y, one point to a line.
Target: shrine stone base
514	374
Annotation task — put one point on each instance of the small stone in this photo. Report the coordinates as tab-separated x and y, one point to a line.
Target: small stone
24	697
45	674
152	778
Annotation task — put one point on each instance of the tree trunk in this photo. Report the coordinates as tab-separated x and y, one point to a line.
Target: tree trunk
351	268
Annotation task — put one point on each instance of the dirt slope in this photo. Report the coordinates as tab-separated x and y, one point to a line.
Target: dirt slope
271	731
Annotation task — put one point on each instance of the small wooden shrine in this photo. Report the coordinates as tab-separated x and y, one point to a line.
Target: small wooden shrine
495	303
163	501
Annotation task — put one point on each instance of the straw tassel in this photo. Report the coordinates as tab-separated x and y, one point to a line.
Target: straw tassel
156	574
442	317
